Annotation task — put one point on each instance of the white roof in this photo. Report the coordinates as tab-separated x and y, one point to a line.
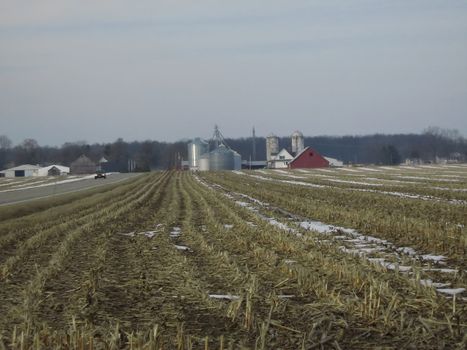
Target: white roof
62	168
331	159
283	153
23	167
334	162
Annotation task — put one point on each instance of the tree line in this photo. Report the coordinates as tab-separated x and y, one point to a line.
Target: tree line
431	145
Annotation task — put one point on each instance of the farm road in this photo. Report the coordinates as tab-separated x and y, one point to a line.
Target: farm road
19	195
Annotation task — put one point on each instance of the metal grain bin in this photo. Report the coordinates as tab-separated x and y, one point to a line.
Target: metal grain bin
196	148
237	161
221	158
204	162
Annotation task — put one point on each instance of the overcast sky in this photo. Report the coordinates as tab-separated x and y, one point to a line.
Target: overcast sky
97	70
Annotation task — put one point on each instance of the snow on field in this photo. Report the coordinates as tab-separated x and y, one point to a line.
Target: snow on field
430	283
451	291
378	181
387	168
238	172
28	183
149	234
449	189
407	167
354	182
388	254
288	174
176	232
429	167
402	182
369	169
389	193
326	170
426	178
182	247
288	181
348	169
224	296
49	183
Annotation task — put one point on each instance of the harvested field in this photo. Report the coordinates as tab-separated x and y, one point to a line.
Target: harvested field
265	259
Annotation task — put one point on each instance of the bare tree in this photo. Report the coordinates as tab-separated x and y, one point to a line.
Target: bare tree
5	142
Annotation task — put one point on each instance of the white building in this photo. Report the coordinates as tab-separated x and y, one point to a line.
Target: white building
334	162
281	160
54	170
21	171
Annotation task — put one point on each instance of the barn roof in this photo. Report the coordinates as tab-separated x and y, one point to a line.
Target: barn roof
59	167
23	167
301	152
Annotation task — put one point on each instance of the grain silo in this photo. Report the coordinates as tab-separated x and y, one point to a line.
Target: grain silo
83	165
196	148
272	146
222	158
297	142
237	161
204	162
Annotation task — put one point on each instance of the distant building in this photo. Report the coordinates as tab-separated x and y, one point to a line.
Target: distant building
281	160
54	170
83	165
334	162
222	157
21	171
308	158
254	164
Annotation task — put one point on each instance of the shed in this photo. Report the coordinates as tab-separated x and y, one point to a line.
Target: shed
22	171
54	170
308	158
83	165
334	162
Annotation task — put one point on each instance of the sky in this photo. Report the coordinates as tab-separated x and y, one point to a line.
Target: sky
166	70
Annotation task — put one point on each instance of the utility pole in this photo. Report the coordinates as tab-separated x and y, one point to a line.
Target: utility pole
254	145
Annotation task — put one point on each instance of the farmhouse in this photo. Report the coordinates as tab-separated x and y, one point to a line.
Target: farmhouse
281	160
21	171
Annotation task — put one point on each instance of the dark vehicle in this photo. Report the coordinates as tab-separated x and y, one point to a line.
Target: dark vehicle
100	175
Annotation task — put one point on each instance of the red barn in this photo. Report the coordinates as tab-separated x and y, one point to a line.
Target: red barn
308	158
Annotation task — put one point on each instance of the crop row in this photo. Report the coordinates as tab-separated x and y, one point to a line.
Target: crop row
430	227
179	262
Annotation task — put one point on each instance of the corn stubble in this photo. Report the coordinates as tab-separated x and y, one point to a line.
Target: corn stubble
211	274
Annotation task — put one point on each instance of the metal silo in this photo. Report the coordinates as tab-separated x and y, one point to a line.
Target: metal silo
297	142
204	160
221	158
196	148
272	146
237	161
